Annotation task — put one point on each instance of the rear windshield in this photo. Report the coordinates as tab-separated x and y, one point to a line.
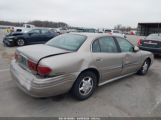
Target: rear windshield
154	37
71	42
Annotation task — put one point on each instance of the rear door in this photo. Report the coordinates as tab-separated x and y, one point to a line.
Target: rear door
131	59
106	58
34	36
46	35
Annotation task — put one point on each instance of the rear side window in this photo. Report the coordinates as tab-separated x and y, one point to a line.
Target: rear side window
105	45
125	45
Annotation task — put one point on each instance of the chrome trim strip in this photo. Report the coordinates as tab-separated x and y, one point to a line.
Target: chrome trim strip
112	67
132	63
115	67
114	79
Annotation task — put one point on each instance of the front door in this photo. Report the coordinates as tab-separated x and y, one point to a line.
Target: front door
131	59
107	58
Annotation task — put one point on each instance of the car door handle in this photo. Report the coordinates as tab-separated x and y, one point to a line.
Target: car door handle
99	59
127	59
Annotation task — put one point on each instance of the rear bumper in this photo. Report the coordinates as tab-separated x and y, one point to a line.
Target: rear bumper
36	87
153	50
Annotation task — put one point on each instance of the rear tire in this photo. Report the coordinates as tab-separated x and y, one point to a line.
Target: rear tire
145	67
84	86
20	42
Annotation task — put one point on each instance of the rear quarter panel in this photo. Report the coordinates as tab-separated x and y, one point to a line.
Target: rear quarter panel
70	63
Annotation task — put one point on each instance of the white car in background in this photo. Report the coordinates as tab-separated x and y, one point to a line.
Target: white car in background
25	28
115	33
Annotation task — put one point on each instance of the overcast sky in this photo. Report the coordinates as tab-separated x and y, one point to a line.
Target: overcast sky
83	13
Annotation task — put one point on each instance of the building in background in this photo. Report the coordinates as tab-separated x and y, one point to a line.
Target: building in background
145	29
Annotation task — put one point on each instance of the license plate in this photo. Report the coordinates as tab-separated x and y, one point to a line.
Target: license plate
26	84
151	43
24	80
23	61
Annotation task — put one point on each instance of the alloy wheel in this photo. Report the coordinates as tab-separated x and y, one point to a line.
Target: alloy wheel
20	42
86	86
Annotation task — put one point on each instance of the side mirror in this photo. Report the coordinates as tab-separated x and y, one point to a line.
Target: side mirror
136	49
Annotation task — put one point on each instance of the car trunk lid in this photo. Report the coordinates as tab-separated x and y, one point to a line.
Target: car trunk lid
36	53
151	43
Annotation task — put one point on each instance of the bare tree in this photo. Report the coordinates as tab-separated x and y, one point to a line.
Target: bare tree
122	28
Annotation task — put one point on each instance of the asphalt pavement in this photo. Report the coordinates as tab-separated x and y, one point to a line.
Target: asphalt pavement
134	96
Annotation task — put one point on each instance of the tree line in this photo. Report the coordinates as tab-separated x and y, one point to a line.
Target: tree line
37	23
123	28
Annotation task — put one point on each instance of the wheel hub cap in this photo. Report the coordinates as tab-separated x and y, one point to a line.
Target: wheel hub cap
145	67
20	42
86	86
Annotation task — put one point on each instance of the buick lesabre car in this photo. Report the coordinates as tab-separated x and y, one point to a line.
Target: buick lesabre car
76	62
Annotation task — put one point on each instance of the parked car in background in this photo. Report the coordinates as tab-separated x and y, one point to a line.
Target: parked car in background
33	36
151	43
115	33
132	32
24	28
76	62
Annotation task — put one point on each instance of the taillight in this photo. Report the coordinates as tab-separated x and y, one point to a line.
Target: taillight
139	42
32	65
42	70
16	56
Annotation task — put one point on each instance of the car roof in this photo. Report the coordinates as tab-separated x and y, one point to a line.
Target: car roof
91	35
40	29
156	34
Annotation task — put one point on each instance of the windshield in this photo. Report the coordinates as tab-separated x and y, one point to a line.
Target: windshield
154	37
71	42
106	31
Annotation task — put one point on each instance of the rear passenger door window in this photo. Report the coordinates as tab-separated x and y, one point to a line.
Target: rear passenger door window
35	31
104	45
107	45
